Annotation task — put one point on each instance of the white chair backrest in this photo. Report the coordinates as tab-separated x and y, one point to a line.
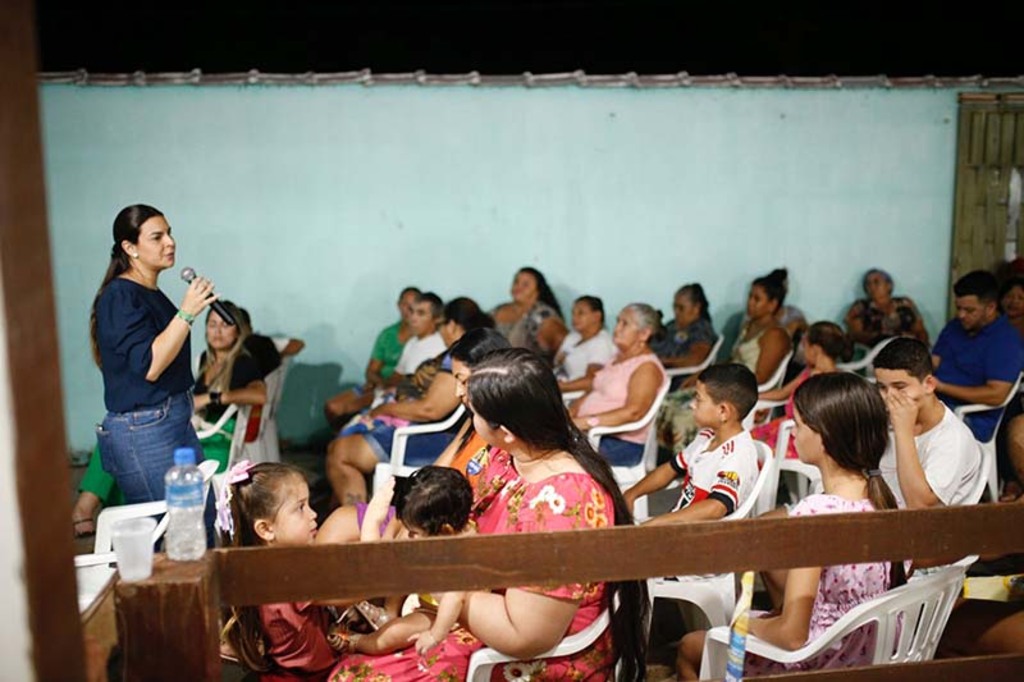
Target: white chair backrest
964	410
627	475
909	621
674	372
767	481
865	362
396	466
482	662
775	380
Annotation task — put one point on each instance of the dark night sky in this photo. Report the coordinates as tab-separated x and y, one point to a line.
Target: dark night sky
492	37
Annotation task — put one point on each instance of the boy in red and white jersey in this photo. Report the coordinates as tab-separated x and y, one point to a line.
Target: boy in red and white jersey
719	466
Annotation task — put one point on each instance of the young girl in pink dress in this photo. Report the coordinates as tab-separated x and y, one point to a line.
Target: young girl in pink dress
556	482
268	505
824	344
842	428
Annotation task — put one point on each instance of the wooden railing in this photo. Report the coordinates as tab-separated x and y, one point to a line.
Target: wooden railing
168	625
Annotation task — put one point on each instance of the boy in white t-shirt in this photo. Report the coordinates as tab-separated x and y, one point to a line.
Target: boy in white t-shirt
933	458
719	467
426	343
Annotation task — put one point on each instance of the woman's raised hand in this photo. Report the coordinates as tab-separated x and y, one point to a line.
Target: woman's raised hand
198	296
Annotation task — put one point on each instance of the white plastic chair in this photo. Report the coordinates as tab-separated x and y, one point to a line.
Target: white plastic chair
482	662
715	594
93	571
775	380
396	466
988	448
909	621
627	476
866	363
674	372
807	477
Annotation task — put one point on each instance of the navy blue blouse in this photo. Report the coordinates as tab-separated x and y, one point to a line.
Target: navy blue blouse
128	317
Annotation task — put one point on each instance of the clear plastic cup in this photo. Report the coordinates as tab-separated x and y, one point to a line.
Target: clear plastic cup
133	545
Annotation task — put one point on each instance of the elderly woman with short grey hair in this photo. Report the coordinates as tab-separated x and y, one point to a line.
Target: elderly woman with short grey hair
624	389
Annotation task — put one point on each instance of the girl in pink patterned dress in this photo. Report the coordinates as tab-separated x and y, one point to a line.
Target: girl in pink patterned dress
824	344
842	428
557	482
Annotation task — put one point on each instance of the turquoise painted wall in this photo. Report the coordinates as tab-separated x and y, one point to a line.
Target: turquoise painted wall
314	206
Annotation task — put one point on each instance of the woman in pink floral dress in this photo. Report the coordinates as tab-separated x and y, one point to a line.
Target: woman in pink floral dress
556	482
841	428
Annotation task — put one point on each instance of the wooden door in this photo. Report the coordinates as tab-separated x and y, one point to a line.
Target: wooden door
987	228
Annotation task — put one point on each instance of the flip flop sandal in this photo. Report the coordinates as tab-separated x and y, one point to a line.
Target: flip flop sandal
374	615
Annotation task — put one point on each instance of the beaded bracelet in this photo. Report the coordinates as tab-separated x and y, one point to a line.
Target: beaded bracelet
188	317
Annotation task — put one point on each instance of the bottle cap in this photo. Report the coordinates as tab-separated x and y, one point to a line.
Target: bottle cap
184	457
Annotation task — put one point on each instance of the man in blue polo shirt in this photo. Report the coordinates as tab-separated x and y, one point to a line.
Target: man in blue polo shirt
978	354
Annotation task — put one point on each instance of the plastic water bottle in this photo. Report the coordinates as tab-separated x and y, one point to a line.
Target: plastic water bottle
186	532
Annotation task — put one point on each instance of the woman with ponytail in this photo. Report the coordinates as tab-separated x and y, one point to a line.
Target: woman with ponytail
841	428
140	341
557	483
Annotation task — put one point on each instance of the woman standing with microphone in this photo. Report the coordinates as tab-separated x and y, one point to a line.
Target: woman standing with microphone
140	341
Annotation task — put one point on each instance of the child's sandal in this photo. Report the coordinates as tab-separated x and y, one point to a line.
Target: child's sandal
374	615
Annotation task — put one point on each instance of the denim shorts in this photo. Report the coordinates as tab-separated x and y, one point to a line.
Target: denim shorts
137	448
620	453
420	450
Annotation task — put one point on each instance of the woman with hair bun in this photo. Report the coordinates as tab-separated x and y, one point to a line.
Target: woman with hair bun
761	345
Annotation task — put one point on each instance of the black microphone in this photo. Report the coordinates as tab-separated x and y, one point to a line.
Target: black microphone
188	274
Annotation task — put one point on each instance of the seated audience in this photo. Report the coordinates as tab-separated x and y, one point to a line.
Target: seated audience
533	318
882	315
264	350
387	350
932	458
559	484
468	452
761	346
428	395
228	375
587	348
978	354
719	467
1011	445
624	389
824	344
689	337
841	429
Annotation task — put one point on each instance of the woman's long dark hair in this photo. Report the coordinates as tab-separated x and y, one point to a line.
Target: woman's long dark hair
126	228
515	388
831	338
473	347
467	314
544	293
850	416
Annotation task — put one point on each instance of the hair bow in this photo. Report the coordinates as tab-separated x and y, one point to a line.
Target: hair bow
239	473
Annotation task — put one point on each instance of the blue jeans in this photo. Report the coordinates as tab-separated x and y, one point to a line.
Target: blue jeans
137	449
620	452
420	450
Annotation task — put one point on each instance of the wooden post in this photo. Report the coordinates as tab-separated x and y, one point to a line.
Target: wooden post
169	625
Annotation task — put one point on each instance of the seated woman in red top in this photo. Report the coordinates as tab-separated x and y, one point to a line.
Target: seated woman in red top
559	484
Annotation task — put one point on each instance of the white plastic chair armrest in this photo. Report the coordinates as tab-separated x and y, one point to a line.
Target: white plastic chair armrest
84	560
401	437
206	429
673	372
971	408
569	396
